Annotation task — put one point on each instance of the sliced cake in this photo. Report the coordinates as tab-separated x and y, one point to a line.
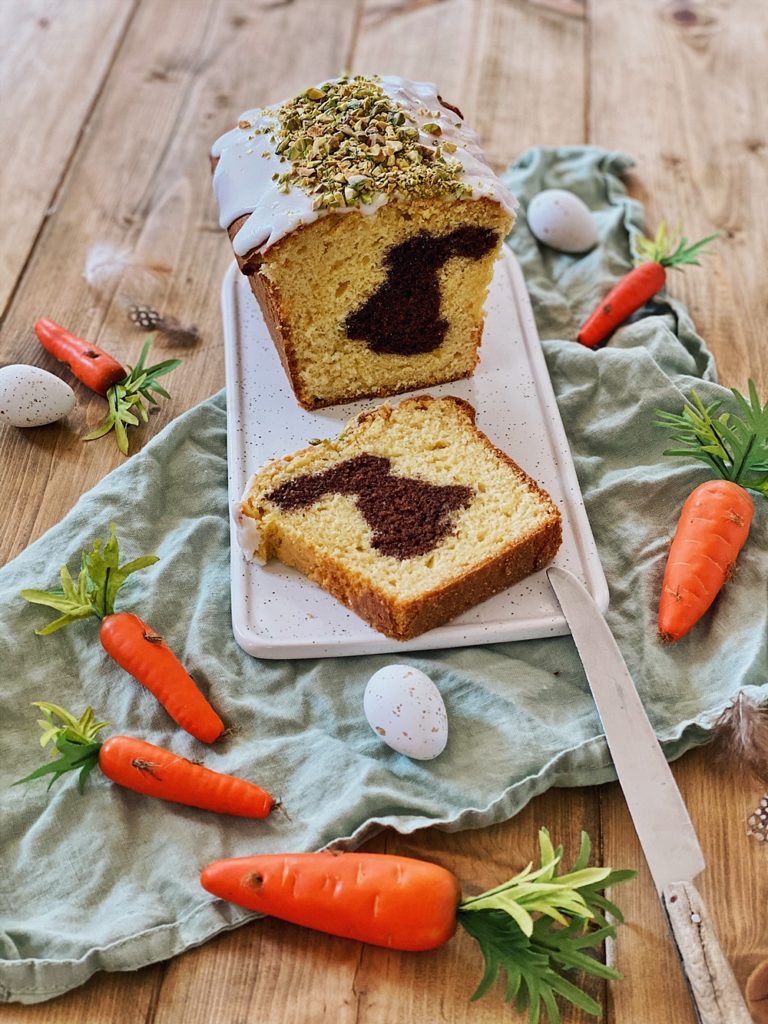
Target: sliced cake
408	518
368	222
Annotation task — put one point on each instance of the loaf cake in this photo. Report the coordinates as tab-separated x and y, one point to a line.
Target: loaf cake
409	517
367	221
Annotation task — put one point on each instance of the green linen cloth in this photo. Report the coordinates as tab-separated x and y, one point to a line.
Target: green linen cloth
109	880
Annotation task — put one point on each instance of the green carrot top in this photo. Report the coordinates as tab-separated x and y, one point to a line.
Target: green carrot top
130	395
734	445
539	923
98	582
670	249
76	740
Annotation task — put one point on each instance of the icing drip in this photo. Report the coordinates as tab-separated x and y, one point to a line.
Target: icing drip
249	536
246	181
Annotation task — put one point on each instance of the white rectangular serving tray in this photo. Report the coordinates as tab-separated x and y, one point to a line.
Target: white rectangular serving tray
279	613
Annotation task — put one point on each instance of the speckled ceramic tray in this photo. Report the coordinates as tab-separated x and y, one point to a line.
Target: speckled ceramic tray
277	612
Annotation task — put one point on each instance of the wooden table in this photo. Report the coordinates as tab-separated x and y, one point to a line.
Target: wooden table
113	106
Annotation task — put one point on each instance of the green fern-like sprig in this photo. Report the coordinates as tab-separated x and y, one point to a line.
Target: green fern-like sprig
538	924
98	582
127	400
75	739
733	444
670	248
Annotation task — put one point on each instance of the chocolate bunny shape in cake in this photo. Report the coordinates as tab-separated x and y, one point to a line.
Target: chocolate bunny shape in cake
402	317
407	516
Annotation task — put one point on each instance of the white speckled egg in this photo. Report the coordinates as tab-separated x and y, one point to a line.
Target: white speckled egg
31	397
404	708
562	221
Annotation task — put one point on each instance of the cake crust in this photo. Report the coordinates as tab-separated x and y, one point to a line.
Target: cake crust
403	621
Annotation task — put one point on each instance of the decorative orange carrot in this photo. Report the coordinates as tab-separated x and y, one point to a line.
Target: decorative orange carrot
133	644
142	767
140	651
641	283
717	515
94	367
530	927
389	901
127	391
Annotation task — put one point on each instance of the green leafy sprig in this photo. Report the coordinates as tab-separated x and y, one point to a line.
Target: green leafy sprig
733	445
76	740
130	395
98	582
670	249
538	924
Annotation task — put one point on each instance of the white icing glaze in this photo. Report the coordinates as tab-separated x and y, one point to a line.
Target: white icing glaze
243	180
247	530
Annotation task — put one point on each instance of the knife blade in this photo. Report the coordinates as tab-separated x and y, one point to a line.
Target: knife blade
663	825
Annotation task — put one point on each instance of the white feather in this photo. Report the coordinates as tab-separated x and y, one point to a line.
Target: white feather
106	265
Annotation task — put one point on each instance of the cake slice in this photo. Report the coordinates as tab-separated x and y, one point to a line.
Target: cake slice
408	518
367	221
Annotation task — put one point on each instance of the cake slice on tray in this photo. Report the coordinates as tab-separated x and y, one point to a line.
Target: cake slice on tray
409	517
367	221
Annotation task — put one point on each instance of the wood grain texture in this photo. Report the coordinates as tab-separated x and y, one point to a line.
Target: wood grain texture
686	102
486	57
680	84
271	971
55	57
683	102
734	882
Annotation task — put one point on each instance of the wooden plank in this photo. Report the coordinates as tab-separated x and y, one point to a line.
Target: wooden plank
56	54
114	998
531	80
688	105
646	993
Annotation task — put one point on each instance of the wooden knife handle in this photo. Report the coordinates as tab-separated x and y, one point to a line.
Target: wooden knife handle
716	995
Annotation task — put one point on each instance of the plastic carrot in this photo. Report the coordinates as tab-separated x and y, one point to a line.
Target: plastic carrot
94	367
134	645
649	276
128	391
370	897
531	927
142	767
716	517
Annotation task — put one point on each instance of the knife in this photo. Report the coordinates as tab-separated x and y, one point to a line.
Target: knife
661	819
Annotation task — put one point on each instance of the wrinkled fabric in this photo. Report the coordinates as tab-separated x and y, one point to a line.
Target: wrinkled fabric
109	880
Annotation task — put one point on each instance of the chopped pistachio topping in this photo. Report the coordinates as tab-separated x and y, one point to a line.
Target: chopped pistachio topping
348	141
